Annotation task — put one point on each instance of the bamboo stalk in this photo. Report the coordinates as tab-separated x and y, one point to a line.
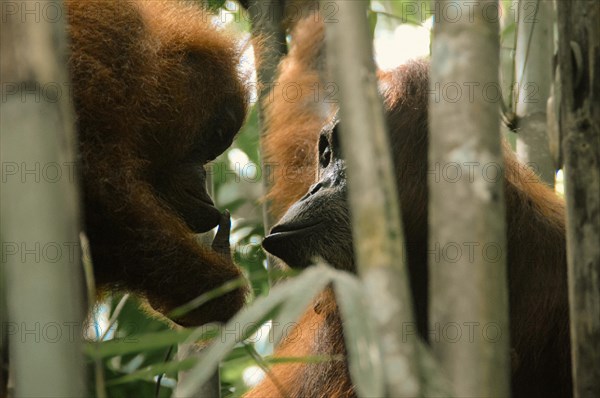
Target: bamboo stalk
40	206
533	64
376	224
468	291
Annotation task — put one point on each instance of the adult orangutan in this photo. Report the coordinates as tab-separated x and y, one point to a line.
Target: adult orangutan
314	222
157	95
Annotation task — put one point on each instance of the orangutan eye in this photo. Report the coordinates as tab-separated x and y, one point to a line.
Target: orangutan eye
324	152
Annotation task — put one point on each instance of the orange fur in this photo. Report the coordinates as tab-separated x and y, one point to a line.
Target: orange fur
535	227
318	332
293	161
157	93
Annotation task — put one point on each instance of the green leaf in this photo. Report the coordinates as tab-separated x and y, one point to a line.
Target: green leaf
237	353
508	29
246	322
225	288
372	21
215	4
304	359
144	342
149	372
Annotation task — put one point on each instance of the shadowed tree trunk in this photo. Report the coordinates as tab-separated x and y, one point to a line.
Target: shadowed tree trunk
579	60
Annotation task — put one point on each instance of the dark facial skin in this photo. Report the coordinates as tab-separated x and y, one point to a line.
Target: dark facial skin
185	193
318	225
183	187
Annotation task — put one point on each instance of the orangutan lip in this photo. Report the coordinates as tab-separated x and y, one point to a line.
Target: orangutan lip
287	229
208	203
282	234
202	199
283	238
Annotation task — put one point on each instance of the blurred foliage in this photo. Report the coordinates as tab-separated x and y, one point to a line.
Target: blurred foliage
396	12
215	4
142	347
289	300
123	355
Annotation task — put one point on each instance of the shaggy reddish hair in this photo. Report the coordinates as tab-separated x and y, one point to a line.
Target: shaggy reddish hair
535	222
157	94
